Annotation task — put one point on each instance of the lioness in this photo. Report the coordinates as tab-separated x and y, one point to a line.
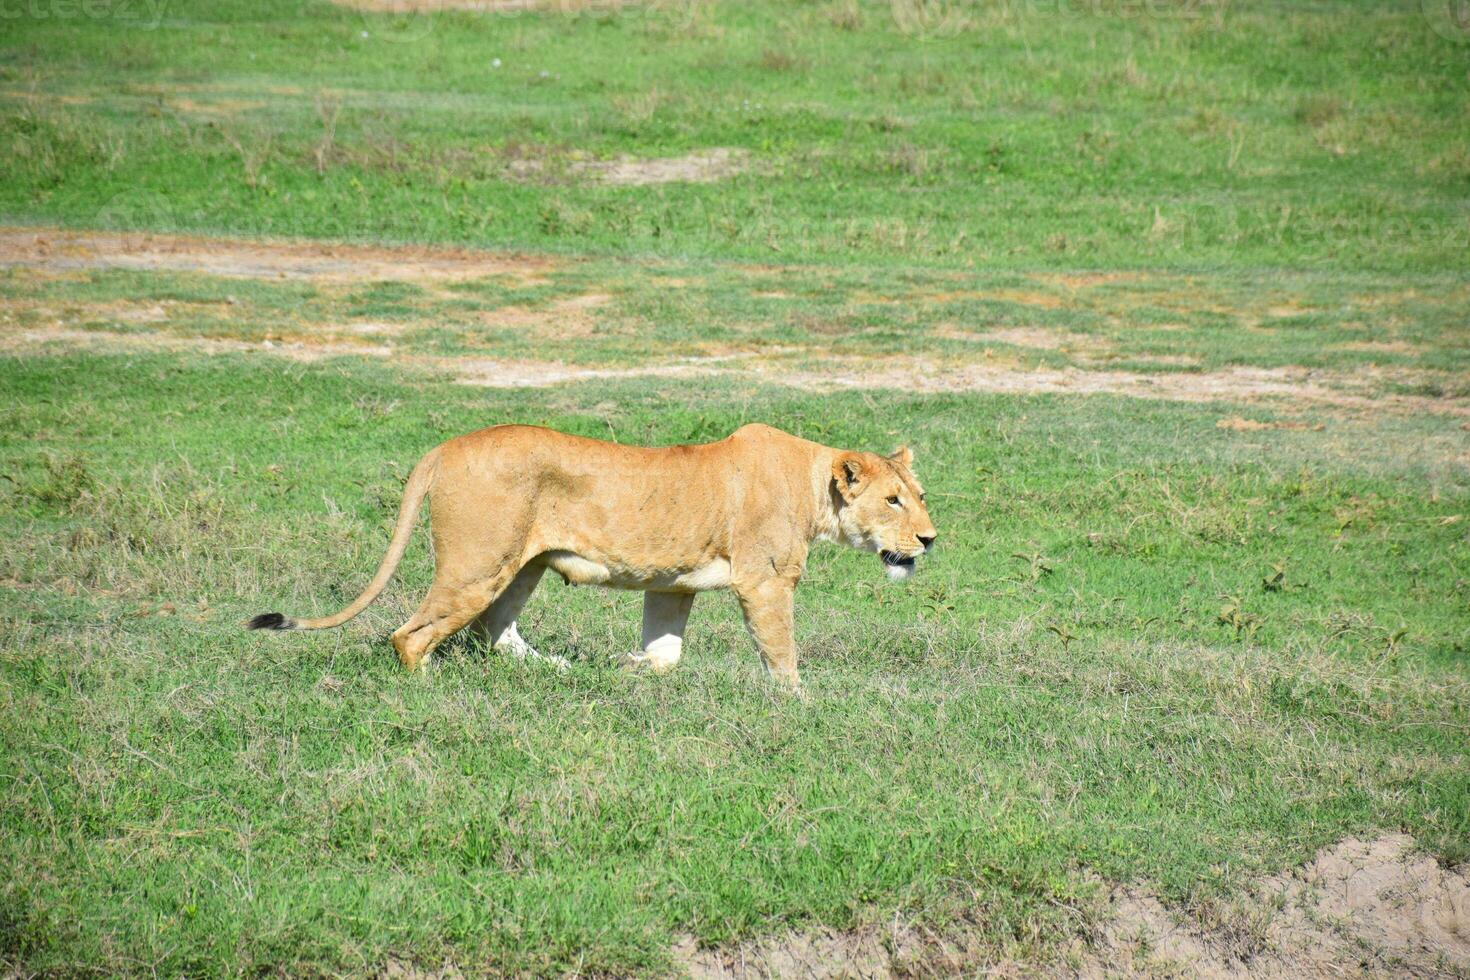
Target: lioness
511	501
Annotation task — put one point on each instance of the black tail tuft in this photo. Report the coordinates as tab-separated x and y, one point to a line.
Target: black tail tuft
269	621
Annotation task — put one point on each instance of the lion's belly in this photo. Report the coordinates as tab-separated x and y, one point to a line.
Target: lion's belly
714	574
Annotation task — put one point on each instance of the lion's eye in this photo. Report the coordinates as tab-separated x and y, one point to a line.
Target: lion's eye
921	498
894	501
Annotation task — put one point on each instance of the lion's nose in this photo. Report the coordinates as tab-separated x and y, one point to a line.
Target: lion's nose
926	542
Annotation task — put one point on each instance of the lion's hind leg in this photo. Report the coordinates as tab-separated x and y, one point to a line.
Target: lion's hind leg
445	611
665	616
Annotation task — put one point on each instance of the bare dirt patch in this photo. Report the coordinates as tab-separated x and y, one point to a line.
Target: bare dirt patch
817	955
61	249
567	318
698	167
1358	909
40	340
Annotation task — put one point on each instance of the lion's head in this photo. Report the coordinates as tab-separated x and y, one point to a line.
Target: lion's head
880	508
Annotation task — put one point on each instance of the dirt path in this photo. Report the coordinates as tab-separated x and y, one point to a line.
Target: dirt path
812	368
1290	388
1292	384
61	249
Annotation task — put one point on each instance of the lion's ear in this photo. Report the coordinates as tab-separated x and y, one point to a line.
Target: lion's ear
850	471
903	456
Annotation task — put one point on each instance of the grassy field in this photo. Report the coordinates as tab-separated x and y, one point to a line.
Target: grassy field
1169	303
1069	133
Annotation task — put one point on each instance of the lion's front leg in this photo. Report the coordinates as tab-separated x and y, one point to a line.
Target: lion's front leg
768	615
665	615
497	625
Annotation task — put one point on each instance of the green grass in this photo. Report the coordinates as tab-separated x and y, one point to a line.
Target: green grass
1089	676
1019	135
1150	648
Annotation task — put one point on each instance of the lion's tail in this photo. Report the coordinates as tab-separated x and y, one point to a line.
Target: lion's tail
418	485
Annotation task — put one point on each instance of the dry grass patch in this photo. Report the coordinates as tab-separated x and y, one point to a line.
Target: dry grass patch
565	319
1088	280
1047	301
1238	424
1040	338
1381	347
217	107
697	167
61	249
1021	297
61	340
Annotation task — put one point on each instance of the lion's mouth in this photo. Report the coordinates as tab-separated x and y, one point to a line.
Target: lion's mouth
894	560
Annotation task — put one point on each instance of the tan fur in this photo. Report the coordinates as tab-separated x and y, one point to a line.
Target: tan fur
509	502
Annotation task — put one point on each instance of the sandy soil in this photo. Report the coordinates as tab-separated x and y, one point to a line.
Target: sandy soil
1358	909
